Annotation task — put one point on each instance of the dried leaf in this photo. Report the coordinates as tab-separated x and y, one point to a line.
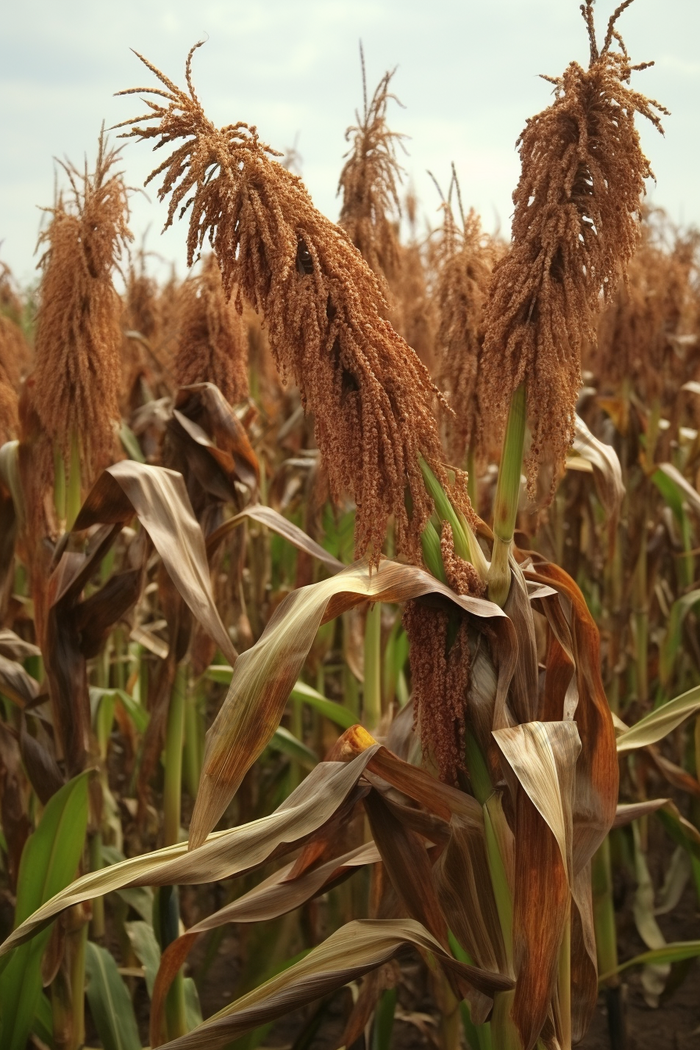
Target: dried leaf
627	812
159	499
265	674
543	757
224	854
276	896
347	954
606	471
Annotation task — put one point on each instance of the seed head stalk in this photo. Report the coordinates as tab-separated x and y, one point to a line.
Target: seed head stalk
507	497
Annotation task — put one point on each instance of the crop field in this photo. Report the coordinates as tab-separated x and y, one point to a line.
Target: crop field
349	596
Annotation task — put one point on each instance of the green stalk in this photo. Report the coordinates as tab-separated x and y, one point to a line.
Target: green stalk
384	1020
372	697
193	751
168	909
641	621
172	789
166	922
502	1029
507	497
432	556
604	912
78	941
606	942
97	923
478	1036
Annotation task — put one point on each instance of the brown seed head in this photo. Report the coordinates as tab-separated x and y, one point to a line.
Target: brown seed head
463	259
575	227
370	180
212	339
15	352
322	305
440	663
76	381
647	333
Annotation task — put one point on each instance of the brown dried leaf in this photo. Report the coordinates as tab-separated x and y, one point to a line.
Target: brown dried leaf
347	954
159	499
275	896
543	756
224	854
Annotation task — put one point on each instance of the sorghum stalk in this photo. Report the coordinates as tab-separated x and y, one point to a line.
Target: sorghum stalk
507	497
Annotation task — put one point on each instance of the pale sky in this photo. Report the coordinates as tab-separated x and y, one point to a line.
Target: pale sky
467	75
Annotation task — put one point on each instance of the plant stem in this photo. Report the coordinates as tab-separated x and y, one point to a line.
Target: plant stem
372	702
193	752
78	941
507	497
172	790
384	1020
168	909
641	620
97	923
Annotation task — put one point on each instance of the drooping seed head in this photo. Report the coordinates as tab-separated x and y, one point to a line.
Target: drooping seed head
575	227
76	381
322	305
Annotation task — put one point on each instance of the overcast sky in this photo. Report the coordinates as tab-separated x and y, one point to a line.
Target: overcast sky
467	75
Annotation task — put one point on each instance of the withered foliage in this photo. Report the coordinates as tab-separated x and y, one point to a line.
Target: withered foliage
440	663
575	227
212	344
369	183
463	259
76	380
322	305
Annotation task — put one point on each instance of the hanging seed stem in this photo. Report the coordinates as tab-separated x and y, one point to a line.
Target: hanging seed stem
507	498
373	666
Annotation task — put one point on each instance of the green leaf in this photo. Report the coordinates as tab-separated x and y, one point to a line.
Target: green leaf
49	862
130	444
43	1021
290	745
659	723
110	1004
138	714
301	693
674	637
670	953
146	948
193	1010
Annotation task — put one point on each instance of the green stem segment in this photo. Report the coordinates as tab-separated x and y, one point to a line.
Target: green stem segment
174	733
507	497
373	666
167	899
